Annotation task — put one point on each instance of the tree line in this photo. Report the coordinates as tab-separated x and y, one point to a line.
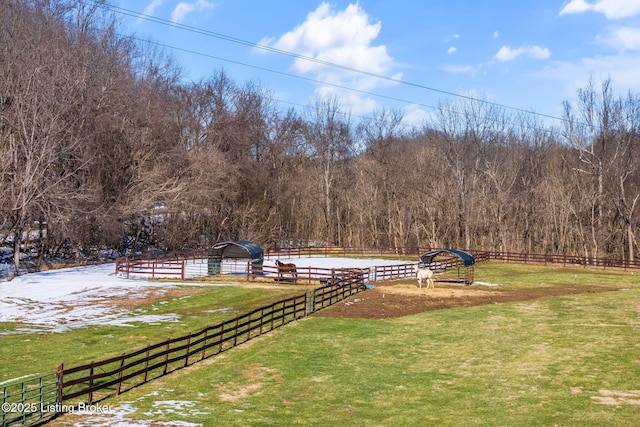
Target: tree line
104	146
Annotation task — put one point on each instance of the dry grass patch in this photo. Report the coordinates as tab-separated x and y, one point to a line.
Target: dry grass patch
255	376
617	398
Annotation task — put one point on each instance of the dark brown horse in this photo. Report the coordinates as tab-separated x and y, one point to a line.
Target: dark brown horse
289	269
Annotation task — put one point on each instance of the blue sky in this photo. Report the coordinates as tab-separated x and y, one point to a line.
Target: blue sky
412	55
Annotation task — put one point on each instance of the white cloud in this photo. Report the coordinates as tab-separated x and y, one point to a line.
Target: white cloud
452	50
612	9
496	34
343	37
183	9
625	38
151	7
622	69
416	115
506	53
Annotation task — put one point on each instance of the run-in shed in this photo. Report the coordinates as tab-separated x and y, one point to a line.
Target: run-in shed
453	265
235	250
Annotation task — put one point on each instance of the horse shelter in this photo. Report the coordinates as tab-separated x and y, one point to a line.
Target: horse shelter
234	257
450	265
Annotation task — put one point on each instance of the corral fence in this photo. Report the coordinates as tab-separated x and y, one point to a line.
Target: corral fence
584	261
196	264
32	401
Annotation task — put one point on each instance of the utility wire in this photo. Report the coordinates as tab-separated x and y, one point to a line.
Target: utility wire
138	15
283	73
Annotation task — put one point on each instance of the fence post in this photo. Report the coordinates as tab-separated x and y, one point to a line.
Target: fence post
186	356
60	375
166	357
146	364
221	336
91	383
183	268
204	343
249	327
235	333
120	374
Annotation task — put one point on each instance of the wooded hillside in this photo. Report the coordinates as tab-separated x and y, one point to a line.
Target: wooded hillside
103	145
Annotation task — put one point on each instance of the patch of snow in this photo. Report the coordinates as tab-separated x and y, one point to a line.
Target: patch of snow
175	407
16	379
486	284
119	417
71	298
217	310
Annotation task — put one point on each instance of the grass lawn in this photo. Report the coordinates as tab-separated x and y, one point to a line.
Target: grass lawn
41	353
569	360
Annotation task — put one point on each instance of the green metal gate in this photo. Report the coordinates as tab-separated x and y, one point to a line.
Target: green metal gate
30	401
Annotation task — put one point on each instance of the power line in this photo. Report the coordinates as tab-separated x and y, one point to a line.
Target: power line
138	15
270	70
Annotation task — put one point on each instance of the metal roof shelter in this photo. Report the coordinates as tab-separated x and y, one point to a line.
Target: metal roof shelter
236	249
240	249
453	265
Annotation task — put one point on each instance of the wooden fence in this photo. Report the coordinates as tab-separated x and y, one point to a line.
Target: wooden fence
97	380
194	263
560	259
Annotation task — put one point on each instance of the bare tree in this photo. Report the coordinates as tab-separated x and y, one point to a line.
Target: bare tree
596	131
41	118
329	143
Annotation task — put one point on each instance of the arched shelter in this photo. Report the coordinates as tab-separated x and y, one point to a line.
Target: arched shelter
453	265
235	250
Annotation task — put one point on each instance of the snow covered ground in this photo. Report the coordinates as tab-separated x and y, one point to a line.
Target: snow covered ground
70	298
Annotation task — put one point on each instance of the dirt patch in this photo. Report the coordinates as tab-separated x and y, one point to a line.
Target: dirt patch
402	298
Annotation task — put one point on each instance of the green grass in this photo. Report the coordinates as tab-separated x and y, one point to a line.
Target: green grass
492	365
41	353
549	361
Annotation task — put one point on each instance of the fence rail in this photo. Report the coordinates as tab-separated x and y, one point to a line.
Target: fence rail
344	288
120	373
194	263
97	380
584	261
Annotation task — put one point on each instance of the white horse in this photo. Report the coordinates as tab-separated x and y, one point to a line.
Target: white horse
427	275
